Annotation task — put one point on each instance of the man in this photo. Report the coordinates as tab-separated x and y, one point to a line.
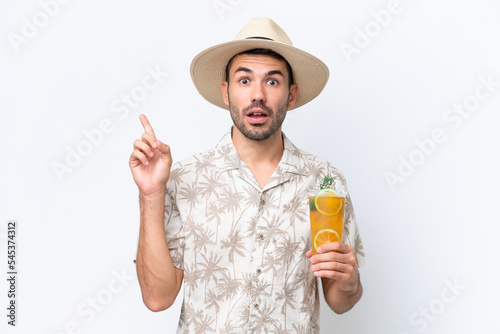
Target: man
233	222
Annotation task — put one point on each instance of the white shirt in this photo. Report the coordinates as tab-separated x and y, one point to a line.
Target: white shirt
242	248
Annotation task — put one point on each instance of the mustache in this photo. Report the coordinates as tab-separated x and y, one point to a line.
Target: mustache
260	105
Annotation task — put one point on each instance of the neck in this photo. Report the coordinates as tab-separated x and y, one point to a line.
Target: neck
261	156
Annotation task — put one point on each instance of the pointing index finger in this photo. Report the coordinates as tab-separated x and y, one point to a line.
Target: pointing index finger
145	123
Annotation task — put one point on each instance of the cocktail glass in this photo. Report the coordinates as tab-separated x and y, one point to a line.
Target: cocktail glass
326	211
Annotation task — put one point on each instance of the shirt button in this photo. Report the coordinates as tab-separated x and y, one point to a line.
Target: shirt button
259	271
256	306
261	236
262	202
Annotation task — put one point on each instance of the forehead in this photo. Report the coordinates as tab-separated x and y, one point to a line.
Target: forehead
258	63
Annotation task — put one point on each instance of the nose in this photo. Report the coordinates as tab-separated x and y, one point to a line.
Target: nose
258	94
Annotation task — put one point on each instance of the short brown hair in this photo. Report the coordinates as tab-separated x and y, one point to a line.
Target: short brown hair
266	52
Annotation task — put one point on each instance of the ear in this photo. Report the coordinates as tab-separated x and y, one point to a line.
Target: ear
294	93
223	88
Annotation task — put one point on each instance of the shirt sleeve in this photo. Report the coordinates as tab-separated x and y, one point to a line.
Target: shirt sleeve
351	233
174	231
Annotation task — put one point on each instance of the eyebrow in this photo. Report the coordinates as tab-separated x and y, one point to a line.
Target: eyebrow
247	70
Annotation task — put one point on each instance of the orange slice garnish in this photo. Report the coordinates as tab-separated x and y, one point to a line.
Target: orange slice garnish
327	202
325	236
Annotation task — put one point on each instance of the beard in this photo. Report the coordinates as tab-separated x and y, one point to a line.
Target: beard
256	131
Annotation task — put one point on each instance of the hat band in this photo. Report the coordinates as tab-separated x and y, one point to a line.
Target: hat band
260	37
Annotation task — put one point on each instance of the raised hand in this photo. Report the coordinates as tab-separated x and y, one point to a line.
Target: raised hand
150	161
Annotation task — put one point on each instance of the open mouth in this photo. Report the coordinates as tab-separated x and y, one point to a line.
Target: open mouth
257	116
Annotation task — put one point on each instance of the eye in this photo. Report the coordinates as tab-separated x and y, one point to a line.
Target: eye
272	82
244	81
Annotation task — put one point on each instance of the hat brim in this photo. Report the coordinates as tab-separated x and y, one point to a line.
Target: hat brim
208	69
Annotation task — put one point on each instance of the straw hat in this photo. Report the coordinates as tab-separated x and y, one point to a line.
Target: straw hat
208	67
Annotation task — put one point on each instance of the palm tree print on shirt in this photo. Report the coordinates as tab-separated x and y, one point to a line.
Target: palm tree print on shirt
242	248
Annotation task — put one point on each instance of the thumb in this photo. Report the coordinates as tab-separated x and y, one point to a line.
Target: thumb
166	157
163	148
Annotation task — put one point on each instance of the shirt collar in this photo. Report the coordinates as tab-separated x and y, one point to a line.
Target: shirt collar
228	158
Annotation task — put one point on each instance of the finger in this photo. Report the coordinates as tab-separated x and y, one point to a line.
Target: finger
334	247
333	257
332	266
339	271
149	139
309	253
166	157
164	148
138	158
336	275
145	123
144	148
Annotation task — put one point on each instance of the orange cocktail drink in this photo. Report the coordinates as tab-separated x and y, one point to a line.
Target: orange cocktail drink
327	218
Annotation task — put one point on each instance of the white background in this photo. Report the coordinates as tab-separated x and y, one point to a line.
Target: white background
78	231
